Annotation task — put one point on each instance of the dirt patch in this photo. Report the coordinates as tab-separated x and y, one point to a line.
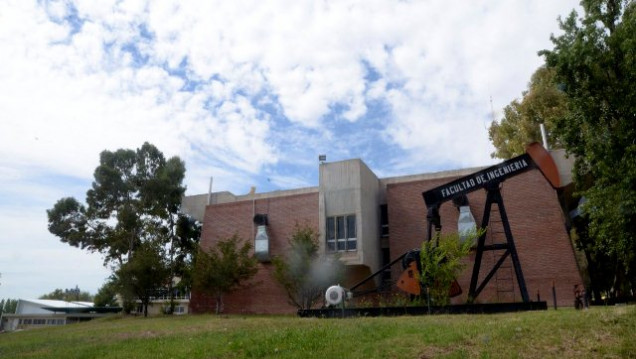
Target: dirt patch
435	352
146	334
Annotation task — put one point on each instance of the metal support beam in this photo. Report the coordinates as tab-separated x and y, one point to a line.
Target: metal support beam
494	196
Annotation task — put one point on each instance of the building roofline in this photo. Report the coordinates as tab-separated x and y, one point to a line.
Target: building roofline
55	303
277	193
229	197
429	176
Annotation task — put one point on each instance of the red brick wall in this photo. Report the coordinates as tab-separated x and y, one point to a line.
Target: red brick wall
221	221
537	225
534	215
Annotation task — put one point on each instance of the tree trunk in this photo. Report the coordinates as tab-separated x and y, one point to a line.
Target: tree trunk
172	270
145	304
219	304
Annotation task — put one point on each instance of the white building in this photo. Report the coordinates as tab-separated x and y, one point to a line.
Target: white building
160	302
36	313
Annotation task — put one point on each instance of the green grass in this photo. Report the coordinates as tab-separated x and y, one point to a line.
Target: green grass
608	332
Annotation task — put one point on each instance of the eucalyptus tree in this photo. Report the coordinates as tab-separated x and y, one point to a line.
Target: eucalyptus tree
134	202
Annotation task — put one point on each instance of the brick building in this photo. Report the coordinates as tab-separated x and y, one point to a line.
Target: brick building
370	221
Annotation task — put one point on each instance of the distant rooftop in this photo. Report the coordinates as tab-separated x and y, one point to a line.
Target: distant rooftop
51	303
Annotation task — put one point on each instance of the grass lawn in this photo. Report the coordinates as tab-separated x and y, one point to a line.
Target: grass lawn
601	332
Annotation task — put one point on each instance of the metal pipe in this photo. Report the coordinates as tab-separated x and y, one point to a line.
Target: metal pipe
378	272
210	192
544	137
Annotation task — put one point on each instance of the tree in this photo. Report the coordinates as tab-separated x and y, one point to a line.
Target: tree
69	295
8	306
185	235
594	60
441	262
144	274
543	103
132	191
303	273
133	205
224	268
107	294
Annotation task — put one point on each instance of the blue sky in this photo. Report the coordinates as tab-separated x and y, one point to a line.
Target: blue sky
249	93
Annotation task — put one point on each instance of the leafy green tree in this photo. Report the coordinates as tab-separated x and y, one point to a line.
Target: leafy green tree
594	60
132	191
134	204
224	268
144	274
69	295
185	233
107	294
303	273
8	306
441	262
543	103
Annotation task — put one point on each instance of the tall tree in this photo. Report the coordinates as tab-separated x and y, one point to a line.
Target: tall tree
303	273
134	204
594	60
133	190
224	268
543	103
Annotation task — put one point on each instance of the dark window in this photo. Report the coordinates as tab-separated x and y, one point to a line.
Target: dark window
384	221
351	226
341	233
331	234
340	228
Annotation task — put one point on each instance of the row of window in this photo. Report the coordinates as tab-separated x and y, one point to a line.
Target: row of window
341	233
177	309
30	321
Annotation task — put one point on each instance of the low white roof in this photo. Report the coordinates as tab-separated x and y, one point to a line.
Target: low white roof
51	303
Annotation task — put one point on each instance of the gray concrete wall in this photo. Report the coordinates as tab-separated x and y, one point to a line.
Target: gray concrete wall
369	224
350	187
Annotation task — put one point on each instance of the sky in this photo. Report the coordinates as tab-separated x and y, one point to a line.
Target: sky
248	93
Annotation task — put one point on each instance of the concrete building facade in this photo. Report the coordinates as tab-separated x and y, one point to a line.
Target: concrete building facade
369	221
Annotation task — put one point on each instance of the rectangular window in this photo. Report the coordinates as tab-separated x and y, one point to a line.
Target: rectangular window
384	221
331	234
341	233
